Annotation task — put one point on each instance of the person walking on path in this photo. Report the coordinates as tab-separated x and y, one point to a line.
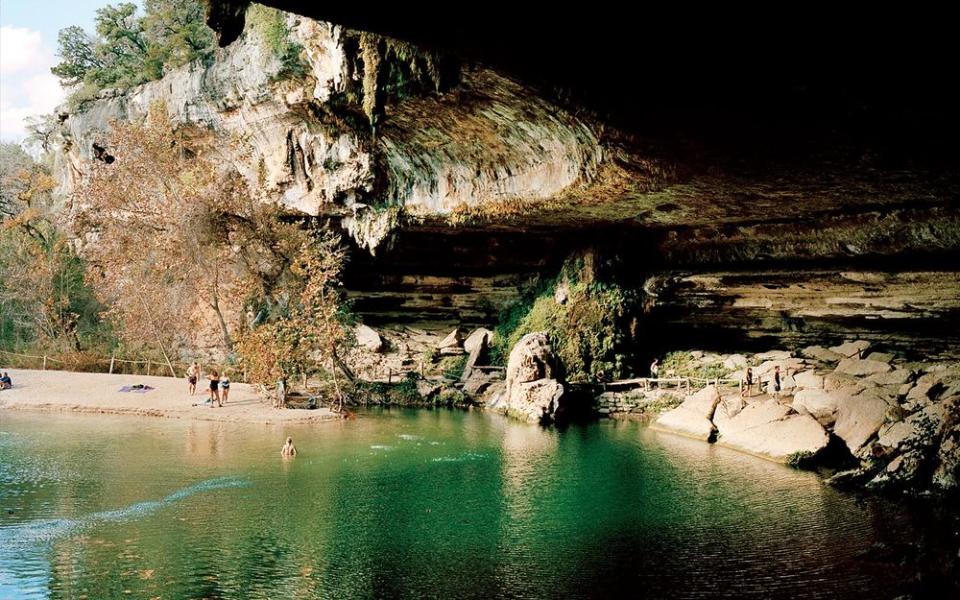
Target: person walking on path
193	373
655	369
776	380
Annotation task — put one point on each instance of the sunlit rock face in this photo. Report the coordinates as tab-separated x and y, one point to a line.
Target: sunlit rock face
486	140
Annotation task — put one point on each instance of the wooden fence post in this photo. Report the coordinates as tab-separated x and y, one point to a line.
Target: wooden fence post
112	357
148	367
390	375
44	362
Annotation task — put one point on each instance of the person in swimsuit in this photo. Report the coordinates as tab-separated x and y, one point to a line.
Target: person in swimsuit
224	387
746	385
193	372
214	385
288	449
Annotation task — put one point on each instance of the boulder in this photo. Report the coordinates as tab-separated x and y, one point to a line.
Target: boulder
819	404
919	430
480	337
693	417
861	368
822	354
734	362
728	407
477	383
427	388
921	395
773	355
531	359
900	471
849	349
532	393
947	473
859	417
809	380
896	377
452	340
769	430
534	401
368	338
881	357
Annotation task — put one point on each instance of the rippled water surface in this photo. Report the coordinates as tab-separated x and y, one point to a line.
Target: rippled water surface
417	504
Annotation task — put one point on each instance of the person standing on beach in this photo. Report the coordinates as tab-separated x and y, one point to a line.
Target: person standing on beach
776	380
193	373
214	385
746	384
655	369
224	387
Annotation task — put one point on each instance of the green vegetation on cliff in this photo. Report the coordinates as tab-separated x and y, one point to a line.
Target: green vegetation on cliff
591	324
128	49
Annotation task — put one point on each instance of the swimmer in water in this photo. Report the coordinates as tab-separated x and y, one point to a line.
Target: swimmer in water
288	449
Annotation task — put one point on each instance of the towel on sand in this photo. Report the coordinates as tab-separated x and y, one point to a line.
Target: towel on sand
136	389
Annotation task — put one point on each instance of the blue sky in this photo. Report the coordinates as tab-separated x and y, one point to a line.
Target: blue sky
28	44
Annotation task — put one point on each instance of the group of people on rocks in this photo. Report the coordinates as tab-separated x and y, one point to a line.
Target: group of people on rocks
746	382
219	385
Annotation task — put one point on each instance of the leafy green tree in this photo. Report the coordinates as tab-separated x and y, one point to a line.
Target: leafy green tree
78	54
176	34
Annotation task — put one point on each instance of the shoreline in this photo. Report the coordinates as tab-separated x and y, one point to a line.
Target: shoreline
98	393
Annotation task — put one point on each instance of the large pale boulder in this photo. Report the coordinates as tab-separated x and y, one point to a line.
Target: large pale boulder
773	355
478	338
728	407
859	417
849	349
452	340
734	362
861	368
881	357
531	359
532	393
534	401
896	377
693	418
920	430
809	380
768	429
368	338
819	404
822	354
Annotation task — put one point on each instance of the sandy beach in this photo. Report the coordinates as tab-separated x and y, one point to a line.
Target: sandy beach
99	393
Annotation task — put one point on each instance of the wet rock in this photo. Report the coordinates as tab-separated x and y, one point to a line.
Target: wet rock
819	404
859	418
901	471
860	368
809	380
368	338
478	382
769	429
534	401
728	407
850	349
693	417
822	354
